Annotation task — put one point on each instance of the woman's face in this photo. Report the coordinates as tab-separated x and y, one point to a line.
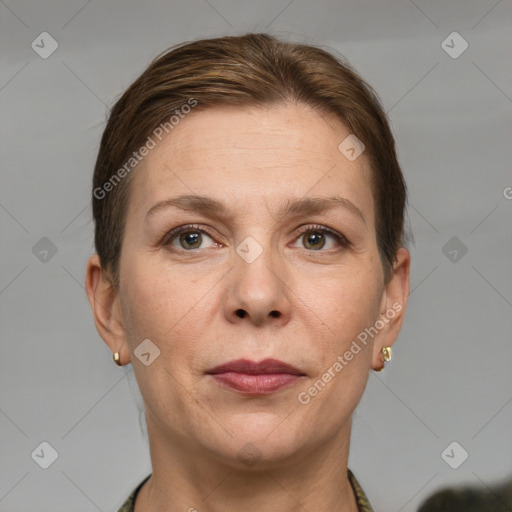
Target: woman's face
255	280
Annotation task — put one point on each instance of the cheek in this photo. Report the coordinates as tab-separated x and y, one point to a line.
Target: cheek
144	301
346	305
167	307
150	297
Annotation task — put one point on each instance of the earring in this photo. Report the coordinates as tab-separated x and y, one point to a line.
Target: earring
386	356
117	359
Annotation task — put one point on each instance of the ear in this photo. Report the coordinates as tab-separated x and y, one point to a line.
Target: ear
392	309
105	305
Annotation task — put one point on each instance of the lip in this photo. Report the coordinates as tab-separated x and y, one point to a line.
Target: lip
251	378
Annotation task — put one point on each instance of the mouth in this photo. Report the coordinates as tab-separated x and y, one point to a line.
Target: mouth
251	378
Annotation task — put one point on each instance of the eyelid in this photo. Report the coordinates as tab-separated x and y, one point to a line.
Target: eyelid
317	228
187	227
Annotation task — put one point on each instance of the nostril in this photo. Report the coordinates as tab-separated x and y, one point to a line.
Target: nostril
241	313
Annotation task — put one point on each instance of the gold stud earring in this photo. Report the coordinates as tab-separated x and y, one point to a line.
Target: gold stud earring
117	359
386	354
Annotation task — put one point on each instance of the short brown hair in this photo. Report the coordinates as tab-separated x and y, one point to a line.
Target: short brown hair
248	70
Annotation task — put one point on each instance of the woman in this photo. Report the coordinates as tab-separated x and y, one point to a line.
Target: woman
249	210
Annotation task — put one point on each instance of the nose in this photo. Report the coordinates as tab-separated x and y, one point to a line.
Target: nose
258	292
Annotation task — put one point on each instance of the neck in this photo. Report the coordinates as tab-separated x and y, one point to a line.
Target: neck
183	480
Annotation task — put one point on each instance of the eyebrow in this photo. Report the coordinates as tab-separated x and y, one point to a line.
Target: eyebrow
301	206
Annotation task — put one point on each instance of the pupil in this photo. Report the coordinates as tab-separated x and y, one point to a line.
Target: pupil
314	239
191	238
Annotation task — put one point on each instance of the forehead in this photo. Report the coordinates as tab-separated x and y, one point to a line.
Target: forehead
249	154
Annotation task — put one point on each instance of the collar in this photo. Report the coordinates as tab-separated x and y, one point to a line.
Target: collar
363	504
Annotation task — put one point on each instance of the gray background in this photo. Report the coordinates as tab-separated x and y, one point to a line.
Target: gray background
450	378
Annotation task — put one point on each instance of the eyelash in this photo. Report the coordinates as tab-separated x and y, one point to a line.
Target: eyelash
312	228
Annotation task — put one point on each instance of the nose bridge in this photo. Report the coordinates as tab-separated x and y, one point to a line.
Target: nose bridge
258	260
258	243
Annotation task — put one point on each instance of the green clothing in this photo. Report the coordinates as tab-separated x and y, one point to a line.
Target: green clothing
363	505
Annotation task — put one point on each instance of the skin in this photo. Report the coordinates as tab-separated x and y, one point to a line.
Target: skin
185	298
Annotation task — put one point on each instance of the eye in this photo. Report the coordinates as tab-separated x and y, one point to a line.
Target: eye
189	238
314	238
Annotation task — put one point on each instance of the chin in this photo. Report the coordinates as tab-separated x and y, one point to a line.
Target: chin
259	441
